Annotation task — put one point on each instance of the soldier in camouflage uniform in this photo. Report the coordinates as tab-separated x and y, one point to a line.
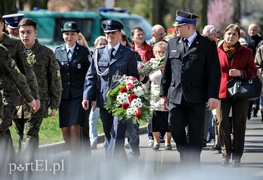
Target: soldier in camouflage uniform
10	95
47	72
8	69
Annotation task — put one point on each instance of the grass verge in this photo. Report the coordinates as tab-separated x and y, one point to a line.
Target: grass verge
50	131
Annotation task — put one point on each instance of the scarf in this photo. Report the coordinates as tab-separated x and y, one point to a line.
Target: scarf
230	51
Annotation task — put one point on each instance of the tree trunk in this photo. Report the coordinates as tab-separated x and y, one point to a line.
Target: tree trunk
237	9
203	14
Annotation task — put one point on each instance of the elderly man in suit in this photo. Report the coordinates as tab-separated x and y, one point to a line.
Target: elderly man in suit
108	60
190	82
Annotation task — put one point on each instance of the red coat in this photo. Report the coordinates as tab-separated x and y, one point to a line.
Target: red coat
148	52
243	60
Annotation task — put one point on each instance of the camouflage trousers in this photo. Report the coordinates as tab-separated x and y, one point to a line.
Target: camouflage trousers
28	130
6	143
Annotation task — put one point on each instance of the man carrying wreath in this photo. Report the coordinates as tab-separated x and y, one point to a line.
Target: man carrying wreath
107	60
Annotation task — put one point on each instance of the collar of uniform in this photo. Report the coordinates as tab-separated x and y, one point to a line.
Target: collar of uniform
71	49
116	47
191	39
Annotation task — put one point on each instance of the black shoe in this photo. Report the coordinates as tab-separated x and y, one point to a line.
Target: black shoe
216	147
168	147
156	147
225	160
236	163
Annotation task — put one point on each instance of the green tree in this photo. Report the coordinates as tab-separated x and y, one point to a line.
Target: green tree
7	7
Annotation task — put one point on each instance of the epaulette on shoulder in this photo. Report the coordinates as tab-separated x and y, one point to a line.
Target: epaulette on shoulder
59	46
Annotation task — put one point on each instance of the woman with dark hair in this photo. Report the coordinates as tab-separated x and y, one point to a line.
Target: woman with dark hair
236	61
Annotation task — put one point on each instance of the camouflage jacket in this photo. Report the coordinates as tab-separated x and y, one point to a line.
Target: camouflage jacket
9	70
17	52
47	72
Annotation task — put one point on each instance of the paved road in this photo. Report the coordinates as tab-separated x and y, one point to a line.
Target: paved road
152	165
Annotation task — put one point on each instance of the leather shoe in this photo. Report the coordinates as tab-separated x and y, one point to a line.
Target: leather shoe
168	147
225	160
156	146
236	163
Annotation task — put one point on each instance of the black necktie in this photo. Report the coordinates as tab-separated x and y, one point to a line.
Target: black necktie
185	45
111	53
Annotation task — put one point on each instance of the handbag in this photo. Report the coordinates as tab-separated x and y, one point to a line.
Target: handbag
244	88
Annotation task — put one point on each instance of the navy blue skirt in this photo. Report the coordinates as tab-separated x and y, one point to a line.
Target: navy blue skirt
71	112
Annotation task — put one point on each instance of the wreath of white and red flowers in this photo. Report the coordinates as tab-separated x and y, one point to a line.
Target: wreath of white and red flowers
128	99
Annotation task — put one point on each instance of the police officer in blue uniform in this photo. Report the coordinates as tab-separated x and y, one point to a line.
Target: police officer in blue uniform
74	61
99	79
190	82
11	23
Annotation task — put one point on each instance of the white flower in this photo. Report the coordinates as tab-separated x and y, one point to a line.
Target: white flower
122	98
139	91
131	111
136	103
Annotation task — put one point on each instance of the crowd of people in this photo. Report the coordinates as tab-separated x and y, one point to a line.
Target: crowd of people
74	81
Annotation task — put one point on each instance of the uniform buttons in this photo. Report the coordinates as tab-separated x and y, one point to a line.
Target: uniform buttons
67	73
68	82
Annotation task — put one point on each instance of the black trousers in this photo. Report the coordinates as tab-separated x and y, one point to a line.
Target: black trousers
107	121
84	135
190	116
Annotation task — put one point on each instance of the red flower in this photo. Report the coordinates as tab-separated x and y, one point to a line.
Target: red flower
123	89
125	106
138	113
129	86
132	97
133	78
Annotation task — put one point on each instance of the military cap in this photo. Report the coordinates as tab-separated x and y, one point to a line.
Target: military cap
111	26
184	18
70	26
12	20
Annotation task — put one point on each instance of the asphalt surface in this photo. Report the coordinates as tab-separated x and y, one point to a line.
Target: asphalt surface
55	162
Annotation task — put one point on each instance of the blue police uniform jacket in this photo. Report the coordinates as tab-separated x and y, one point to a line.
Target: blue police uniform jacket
194	75
95	86
73	71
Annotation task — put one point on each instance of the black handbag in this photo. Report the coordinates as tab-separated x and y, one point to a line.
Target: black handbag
244	88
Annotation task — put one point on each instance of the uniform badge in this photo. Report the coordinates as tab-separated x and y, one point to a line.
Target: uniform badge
28	61
173	51
79	66
193	56
17	69
58	73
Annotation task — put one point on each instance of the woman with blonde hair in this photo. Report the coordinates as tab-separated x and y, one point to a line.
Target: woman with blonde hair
81	40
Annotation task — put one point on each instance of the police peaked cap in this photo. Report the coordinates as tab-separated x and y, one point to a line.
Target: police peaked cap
111	25
184	18
12	20
70	26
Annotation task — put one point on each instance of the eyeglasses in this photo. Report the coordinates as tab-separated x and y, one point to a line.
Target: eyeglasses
161	34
